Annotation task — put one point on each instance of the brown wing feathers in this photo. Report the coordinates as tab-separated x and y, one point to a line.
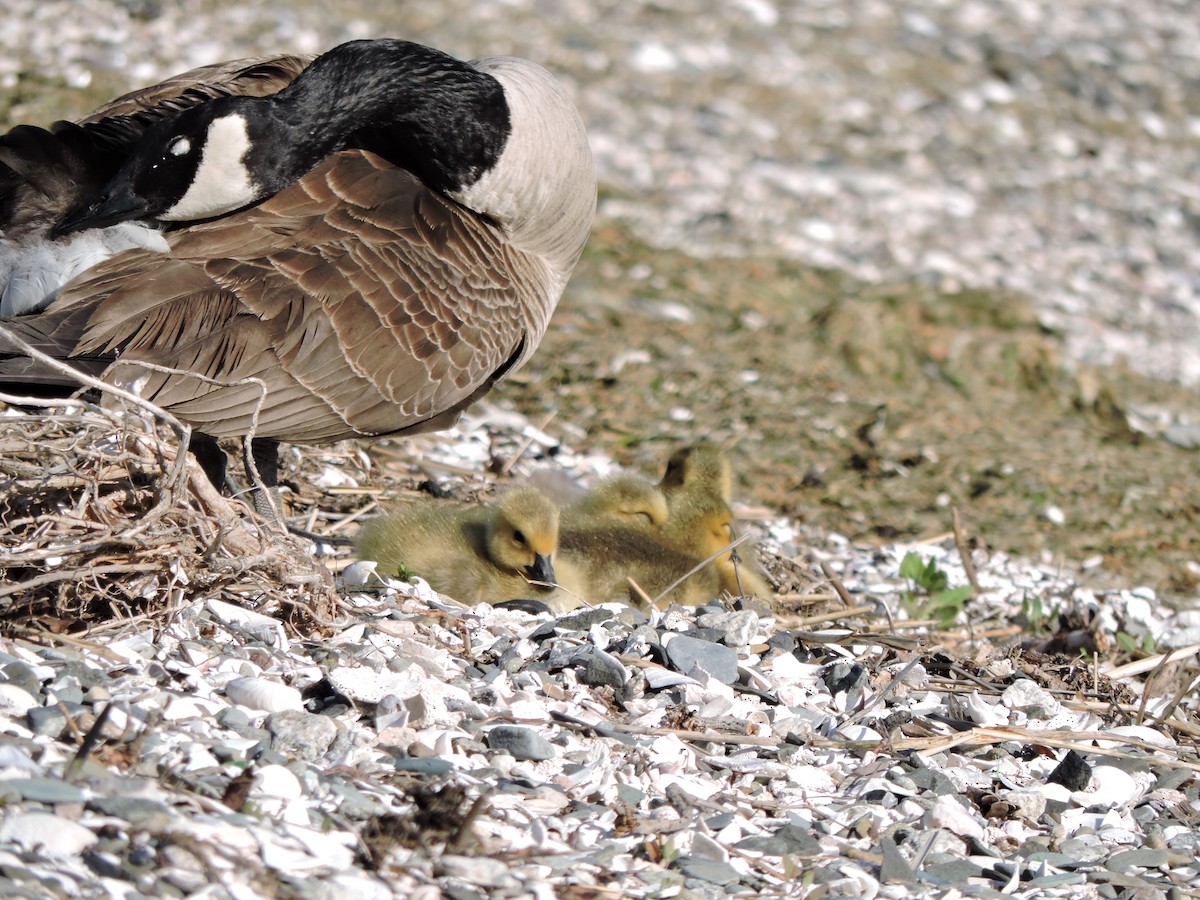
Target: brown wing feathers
355	330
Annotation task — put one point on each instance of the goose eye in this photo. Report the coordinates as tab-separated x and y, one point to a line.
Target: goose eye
519	536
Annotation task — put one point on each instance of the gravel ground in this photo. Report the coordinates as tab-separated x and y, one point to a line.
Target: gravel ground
841	744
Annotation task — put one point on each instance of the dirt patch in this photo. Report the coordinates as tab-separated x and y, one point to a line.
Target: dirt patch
870	411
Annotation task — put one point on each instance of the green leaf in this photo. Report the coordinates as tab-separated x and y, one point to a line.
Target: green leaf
911	567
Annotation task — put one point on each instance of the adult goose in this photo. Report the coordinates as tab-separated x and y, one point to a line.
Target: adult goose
375	237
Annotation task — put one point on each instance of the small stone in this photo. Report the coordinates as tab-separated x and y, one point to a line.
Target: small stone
1144	857
143	813
895	868
21	675
1026	804
301	735
707	870
233	718
475	870
520	743
783	641
955	871
236	749
585	619
45	790
629	795
432	767
686	653
791	839
46	834
1031	698
1072	772
845	677
604	669
736	628
51	721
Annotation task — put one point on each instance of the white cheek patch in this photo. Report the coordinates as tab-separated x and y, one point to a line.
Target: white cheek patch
221	182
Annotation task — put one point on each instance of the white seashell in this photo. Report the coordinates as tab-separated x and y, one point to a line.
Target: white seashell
333	478
230	614
361	573
16	699
1140	732
46	834
859	733
181	707
278	781
812	779
657	679
1110	787
948	813
364	685
981	712
786	669
262	693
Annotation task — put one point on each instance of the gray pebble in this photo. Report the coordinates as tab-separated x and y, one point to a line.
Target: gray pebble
476	870
736	628
435	767
1144	857
604	669
845	676
143	813
301	735
707	870
686	653
45	790
520	743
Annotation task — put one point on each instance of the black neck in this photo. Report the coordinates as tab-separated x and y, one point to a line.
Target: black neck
417	107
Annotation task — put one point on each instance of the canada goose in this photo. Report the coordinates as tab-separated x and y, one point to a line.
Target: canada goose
352	246
474	553
627	498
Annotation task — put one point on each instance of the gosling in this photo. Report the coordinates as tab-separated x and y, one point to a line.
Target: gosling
599	558
473	554
630	499
701	466
701	473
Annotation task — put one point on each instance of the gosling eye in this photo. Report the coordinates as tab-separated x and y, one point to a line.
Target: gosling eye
519	537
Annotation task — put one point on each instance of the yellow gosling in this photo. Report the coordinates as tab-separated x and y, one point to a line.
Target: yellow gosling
625	498
702	466
473	554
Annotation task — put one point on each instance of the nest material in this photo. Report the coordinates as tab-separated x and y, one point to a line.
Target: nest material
103	517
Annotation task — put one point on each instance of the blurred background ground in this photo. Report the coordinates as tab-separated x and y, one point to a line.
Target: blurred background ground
899	257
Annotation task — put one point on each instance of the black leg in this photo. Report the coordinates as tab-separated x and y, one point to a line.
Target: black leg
212	459
265	454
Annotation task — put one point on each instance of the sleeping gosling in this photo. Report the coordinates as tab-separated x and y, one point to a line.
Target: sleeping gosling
473	554
625	498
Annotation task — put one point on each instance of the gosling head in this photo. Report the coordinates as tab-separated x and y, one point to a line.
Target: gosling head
523	535
702	523
702	466
625	497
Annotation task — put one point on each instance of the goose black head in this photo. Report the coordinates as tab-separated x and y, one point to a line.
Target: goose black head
193	165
